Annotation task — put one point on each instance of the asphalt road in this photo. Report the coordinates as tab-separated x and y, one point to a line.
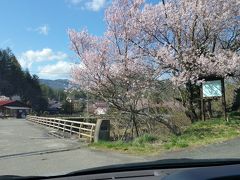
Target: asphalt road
227	149
27	149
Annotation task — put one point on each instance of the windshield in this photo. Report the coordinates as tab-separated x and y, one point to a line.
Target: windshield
91	83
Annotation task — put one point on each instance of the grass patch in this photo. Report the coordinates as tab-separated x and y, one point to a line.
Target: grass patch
205	132
142	145
197	134
146	138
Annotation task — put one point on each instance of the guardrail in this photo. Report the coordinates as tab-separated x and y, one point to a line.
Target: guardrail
82	129
81	119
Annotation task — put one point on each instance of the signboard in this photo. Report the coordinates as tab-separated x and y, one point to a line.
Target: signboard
212	88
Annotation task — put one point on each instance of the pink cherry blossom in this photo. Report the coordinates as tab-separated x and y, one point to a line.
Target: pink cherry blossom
188	40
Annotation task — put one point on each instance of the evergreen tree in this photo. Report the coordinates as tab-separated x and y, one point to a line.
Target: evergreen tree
15	81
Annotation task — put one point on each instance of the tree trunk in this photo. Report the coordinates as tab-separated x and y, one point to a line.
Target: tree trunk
133	116
191	113
209	107
132	129
125	132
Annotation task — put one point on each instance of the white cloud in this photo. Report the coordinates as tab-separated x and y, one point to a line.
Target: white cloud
55	71
44	29
29	57
93	5
74	2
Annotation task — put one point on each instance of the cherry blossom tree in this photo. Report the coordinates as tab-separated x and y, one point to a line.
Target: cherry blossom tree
191	39
185	40
111	69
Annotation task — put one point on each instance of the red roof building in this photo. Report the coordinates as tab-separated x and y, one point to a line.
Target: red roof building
10	108
4	102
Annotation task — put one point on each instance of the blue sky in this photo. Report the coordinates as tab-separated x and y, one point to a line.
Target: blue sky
36	31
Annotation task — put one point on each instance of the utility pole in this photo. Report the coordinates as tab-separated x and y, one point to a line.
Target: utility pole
224	100
58	96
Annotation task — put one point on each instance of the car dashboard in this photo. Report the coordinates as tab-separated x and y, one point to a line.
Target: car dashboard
196	173
175	169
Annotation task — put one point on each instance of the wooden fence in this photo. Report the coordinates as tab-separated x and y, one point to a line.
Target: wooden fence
82	129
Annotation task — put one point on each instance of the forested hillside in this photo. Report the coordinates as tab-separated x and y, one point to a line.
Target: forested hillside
58	84
15	81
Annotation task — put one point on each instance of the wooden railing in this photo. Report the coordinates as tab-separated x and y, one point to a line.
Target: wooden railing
81	119
82	129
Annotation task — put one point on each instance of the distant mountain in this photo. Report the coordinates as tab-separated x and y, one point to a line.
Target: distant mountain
55	84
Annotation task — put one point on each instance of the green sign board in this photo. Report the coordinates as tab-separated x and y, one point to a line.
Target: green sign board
212	88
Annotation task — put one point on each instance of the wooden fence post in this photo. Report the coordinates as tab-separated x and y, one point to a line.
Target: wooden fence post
58	124
80	130
91	134
64	126
71	128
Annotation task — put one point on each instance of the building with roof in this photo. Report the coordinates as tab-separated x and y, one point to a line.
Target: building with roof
98	108
13	108
54	107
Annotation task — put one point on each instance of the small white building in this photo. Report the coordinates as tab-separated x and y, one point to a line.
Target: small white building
100	108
